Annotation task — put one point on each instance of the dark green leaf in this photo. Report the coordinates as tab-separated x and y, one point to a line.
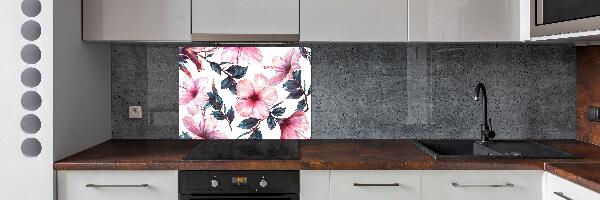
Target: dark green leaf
291	85
230	114
227	82
257	135
218	115
271	122
237	71
206	106
233	88
215	100
297	75
215	67
278	111
248	123
301	105
295	94
184	135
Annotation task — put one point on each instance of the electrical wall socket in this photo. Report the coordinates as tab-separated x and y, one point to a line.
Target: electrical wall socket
135	112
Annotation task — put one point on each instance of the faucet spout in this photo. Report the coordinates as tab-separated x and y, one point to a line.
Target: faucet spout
486	133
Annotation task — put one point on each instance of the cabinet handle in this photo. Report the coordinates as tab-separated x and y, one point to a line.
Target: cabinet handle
376	184
115	186
469	186
562	195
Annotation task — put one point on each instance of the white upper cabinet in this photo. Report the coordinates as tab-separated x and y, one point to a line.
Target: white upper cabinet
136	20
354	20
245	20
468	20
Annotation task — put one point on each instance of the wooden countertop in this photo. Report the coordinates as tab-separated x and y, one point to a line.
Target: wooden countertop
584	174
314	155
331	155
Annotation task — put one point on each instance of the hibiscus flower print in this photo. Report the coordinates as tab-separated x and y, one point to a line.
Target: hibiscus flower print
294	126
244	93
191	94
255	97
284	66
198	56
204	129
241	55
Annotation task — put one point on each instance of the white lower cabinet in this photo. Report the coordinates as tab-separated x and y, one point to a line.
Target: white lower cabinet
560	189
117	185
375	185
314	184
482	185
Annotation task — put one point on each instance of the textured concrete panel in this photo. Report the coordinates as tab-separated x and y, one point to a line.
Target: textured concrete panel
373	91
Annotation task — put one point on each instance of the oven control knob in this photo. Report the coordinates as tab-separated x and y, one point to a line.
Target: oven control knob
263	183
214	183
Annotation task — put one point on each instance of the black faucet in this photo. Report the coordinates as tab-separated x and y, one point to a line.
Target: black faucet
487	134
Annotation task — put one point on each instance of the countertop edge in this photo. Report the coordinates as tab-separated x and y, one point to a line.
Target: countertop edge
572	177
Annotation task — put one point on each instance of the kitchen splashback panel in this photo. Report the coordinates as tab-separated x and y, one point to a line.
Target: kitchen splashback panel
244	93
378	91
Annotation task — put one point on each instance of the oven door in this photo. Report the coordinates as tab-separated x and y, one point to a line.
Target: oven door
551	17
241	197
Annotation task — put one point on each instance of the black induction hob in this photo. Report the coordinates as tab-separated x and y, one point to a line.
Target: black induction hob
245	150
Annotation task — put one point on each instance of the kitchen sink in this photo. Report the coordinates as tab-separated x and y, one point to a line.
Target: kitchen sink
471	149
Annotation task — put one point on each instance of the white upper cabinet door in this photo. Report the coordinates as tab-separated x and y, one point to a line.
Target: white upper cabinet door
243	20
468	20
375	185
354	20
136	20
482	185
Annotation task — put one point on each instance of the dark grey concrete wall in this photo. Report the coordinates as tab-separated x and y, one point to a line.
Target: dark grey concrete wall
373	91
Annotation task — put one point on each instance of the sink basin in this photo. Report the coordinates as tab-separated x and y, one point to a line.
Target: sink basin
469	149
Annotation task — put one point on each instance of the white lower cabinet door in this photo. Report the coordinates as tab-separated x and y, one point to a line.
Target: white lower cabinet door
375	185
560	189
314	185
117	185
482	185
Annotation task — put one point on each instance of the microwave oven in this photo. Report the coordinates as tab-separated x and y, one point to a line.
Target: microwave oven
554	17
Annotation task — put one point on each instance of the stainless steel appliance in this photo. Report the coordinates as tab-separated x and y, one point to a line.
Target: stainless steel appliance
239	185
552	17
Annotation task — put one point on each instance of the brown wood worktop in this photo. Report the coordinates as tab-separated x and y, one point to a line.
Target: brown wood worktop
584	174
314	155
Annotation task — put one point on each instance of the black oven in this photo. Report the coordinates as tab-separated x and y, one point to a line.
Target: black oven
237	185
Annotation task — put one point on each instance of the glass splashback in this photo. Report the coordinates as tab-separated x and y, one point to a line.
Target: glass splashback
244	93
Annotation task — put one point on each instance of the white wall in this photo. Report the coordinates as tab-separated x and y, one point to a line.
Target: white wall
24	177
82	99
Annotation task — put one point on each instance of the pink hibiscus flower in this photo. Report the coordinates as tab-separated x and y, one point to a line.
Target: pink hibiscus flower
205	129
241	55
285	66
191	93
255	97
294	126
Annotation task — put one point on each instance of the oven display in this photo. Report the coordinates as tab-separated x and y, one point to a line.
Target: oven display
239	180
